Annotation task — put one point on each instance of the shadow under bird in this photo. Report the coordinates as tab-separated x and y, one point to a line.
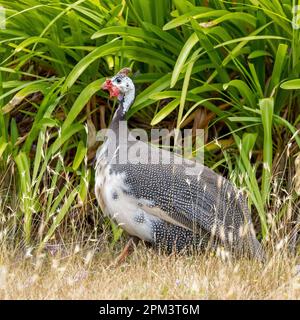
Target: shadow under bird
160	203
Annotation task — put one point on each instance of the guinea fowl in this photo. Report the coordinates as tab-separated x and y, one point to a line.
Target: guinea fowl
160	203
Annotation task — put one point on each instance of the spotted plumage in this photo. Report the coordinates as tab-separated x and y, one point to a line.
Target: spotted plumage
162	204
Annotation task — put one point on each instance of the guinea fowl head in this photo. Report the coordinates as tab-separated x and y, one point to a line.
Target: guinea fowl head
122	87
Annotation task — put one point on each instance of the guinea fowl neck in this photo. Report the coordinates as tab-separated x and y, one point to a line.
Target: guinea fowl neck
125	103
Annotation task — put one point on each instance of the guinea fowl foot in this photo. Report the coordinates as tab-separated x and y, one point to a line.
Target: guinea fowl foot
127	251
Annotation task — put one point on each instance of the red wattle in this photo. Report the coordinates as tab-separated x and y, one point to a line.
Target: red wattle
113	90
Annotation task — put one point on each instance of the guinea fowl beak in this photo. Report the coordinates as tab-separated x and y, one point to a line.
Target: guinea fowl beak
113	90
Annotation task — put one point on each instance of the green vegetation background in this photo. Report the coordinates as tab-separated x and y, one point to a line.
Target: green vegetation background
228	67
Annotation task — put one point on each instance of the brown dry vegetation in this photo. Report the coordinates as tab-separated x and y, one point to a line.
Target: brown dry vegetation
245	95
90	274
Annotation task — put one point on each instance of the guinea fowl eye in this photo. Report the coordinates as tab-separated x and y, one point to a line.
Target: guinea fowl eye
118	80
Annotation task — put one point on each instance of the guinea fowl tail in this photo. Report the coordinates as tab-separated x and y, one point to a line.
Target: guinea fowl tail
258	252
252	248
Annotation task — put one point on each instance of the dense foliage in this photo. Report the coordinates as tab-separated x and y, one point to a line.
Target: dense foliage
228	67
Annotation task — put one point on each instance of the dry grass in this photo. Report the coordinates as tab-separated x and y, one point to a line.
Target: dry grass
145	275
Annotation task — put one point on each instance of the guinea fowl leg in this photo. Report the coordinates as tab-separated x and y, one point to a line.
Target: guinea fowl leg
128	249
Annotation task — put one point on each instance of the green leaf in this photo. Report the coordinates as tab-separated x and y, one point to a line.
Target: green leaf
65	135
244	17
197	13
84	184
14	132
185	87
79	156
267	108
248	174
244	90
248	142
278	68
258	53
141	98
185	52
244	119
212	53
165	111
133	32
30	88
81	101
82	65
291	84
3	146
